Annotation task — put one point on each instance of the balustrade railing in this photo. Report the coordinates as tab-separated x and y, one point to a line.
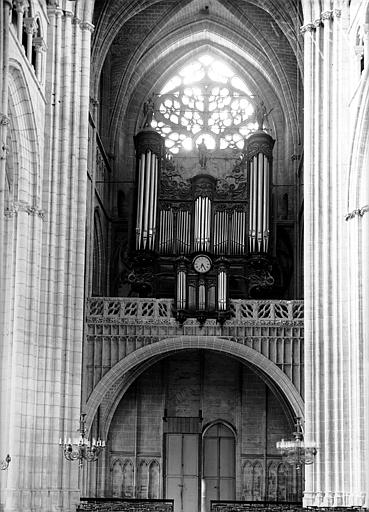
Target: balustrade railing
158	309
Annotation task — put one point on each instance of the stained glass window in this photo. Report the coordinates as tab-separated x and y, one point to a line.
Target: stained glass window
205	100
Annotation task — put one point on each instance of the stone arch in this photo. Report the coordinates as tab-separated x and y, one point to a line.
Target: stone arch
26	180
113	386
357	185
98	255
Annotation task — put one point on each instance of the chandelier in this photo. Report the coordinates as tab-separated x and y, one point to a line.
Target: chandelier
82	449
297	452
4	464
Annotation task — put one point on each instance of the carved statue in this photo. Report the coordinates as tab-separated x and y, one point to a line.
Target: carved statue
203	153
148	108
261	114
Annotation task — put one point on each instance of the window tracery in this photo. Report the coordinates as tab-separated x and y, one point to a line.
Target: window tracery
206	102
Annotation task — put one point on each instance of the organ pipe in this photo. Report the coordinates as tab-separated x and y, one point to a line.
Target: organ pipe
202	296
222	285
181	290
259	156
183	231
222	291
203	189
149	148
202	223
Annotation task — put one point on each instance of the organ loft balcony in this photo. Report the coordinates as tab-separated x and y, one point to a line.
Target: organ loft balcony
117	328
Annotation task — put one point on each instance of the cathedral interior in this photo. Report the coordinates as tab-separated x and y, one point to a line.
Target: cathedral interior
184	255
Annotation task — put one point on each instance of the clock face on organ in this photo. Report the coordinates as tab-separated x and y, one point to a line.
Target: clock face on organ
202	263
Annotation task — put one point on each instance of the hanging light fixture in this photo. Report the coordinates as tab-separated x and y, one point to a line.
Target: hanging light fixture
82	449
297	452
4	464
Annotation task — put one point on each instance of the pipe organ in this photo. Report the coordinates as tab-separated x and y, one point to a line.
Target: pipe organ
259	156
205	233
149	149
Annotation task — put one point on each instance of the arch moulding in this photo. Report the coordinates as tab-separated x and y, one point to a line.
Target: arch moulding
108	384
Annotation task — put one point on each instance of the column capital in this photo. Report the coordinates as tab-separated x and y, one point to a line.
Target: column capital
94	102
309	27
4	119
359	212
53	8
359	50
85	25
326	15
39	44
16	207
30	25
20	5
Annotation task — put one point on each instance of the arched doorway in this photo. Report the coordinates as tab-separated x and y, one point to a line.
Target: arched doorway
219	464
205	419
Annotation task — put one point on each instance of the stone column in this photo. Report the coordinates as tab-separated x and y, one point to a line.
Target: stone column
44	379
21	6
40	49
333	351
5	6
30	28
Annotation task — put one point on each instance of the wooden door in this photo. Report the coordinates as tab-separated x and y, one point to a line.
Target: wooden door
218	464
182	471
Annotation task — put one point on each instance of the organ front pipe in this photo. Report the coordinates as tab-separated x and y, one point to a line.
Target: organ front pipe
254	203
226	234
178	235
155	201
268	203
238	233
265	205
259	156
202	223
221	290
215	235
151	202
234	238
149	146
141	175
243	232
208	224
205	223
237	230
161	230
171	227
146	199
260	202
196	222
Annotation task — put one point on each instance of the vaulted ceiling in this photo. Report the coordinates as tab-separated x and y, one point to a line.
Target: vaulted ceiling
139	44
